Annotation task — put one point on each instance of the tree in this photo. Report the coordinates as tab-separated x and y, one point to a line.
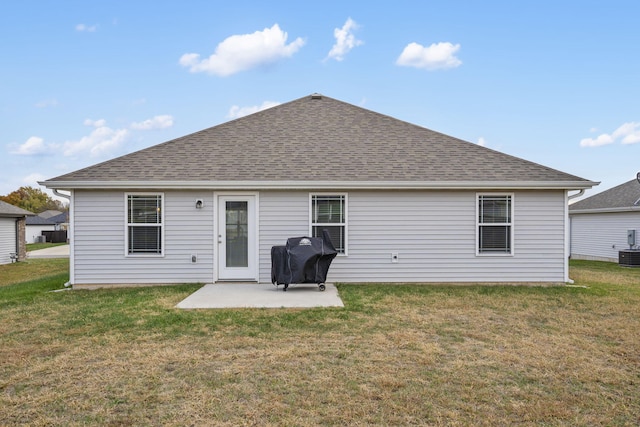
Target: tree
33	200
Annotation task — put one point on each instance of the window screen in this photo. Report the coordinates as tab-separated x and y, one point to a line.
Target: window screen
144	224
329	212
494	224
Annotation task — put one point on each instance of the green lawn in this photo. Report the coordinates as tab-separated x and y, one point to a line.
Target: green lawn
37	246
395	355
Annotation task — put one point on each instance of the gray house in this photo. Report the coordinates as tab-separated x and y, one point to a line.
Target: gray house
12	233
600	223
402	203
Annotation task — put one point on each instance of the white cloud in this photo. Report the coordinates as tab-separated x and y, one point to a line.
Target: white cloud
237	111
438	56
47	103
32	147
86	28
157	122
101	140
632	138
482	142
628	133
242	52
95	123
345	40
32	179
603	139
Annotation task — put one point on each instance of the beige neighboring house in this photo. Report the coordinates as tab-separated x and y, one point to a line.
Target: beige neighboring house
12	233
402	203
606	223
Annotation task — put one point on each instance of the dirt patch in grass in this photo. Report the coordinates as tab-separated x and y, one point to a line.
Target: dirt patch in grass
405	355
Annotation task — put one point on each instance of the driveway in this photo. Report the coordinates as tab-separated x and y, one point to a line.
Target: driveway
265	295
61	251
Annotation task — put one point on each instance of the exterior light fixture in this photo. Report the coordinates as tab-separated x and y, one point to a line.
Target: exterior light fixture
199	204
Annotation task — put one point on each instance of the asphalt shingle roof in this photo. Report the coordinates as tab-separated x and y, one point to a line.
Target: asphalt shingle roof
7	210
317	138
622	196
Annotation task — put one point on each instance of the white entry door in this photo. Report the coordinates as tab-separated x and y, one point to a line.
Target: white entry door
237	237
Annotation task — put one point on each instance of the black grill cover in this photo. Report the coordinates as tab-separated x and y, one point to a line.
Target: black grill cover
302	260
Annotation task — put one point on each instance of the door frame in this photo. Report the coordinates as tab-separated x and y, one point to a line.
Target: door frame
254	273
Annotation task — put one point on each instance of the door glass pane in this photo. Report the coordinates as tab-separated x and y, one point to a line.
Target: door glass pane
237	234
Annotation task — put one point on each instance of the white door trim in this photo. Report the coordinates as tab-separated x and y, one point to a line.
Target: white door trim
251	273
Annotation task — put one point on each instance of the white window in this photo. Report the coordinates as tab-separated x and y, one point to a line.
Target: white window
329	211
144	234
495	224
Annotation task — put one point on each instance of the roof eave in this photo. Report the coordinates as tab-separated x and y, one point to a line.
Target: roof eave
605	210
14	215
322	185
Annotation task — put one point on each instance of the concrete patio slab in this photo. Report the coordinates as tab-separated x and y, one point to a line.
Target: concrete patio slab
265	295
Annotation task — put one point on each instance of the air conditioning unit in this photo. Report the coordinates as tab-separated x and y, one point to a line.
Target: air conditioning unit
41	239
629	258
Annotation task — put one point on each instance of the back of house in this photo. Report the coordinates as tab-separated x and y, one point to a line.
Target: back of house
402	203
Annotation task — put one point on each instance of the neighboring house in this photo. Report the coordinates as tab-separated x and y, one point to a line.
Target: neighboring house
61	221
402	203
38	225
49	213
600	223
12	233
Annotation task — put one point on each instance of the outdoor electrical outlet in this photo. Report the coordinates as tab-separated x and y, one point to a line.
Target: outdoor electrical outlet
194	258
394	256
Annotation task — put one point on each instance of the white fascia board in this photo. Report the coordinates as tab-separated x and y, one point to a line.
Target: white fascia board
604	210
322	185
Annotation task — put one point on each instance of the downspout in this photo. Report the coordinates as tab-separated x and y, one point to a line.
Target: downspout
16	257
567	235
573	196
68	197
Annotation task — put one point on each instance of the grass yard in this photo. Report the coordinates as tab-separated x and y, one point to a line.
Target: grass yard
395	355
37	246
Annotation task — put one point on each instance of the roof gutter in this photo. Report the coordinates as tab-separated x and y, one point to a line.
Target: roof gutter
604	210
321	185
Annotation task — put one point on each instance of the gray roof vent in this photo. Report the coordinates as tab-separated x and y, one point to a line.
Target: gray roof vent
316	96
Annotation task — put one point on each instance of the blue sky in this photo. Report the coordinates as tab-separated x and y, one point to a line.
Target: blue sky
554	82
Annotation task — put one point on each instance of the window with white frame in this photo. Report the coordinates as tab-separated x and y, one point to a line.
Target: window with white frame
495	224
144	224
329	211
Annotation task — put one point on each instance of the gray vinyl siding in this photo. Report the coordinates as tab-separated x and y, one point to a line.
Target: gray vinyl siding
433	233
7	239
282	215
600	236
99	240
